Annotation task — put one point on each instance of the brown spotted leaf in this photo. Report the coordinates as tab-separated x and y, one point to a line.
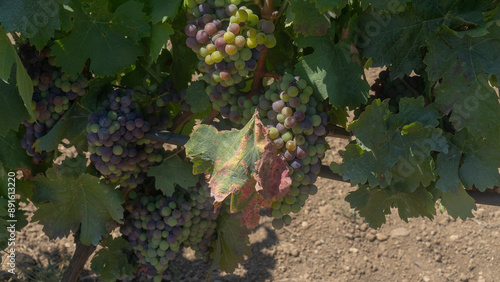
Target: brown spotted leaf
272	174
232	153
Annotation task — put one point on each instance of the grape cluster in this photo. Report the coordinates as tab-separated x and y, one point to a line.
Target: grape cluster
157	112
406	87
116	140
228	41
157	227
53	93
297	125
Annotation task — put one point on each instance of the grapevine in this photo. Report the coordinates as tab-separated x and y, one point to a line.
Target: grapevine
191	120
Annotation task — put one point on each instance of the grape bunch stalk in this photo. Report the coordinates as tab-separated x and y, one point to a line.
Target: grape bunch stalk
53	94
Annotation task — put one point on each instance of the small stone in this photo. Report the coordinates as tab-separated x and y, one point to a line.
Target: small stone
454	237
363	227
381	236
305	224
370	237
426	278
400	232
319	242
438	258
353	250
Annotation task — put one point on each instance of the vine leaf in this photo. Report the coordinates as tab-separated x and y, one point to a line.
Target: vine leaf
392	145
67	203
374	204
111	262
8	57
34	19
301	13
164	10
481	160
396	40
95	35
393	6
451	56
160	35
11	153
12	110
465	65
447	168
326	5
233	241
458	204
332	72
232	153
197	98
173	171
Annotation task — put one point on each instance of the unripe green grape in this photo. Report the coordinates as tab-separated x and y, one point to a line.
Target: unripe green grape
277	213
287	219
316	120
260	38
270	41
290	200
298	176
277	224
296	207
287	136
252	20
304	98
285	208
276	205
251	42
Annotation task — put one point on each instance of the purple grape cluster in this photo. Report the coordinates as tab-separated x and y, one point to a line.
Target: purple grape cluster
158	227
228	41
53	93
116	140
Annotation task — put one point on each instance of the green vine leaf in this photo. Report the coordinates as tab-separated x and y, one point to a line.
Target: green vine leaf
480	160
197	98
95	35
396	40
164	10
374	204
160	35
330	5
333	71
171	172
8	57
301	14
67	203
34	19
11	153
458	204
233	242
111	262
391	145
12	110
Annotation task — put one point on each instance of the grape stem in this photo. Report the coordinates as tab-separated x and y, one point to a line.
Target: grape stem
267	10
181	119
273	75
259	72
210	117
408	86
282	9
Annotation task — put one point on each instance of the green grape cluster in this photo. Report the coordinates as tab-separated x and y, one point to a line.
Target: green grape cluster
158	227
